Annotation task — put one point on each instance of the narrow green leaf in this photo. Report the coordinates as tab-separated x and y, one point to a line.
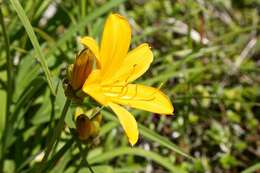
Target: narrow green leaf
96	169
42	7
27	161
29	29
25	75
151	135
107	127
133	151
55	159
2	110
27	96
130	169
55	136
252	169
9	89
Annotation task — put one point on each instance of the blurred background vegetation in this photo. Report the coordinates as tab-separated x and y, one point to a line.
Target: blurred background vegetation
207	55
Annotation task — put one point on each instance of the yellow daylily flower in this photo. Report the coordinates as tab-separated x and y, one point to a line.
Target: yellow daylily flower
110	83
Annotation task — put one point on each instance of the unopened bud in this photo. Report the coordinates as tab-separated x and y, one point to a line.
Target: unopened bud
85	126
81	68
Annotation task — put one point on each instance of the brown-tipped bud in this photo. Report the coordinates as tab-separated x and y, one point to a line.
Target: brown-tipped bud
81	68
85	126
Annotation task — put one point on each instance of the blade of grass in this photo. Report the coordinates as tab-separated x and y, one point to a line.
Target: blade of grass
96	169
42	7
84	161
15	119
9	89
29	29
26	162
149	134
129	169
107	127
55	136
252	169
109	155
53	161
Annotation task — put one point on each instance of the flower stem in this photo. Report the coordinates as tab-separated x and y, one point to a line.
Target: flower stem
9	89
55	136
84	153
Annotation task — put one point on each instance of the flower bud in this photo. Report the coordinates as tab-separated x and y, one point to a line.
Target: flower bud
86	127
83	125
81	68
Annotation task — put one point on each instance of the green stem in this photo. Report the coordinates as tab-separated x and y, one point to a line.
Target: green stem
84	160
252	168
9	89
55	136
57	156
84	153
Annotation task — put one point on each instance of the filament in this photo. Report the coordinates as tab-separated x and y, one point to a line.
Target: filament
122	90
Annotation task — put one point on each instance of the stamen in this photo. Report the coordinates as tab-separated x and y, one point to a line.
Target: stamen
134	66
124	89
122	94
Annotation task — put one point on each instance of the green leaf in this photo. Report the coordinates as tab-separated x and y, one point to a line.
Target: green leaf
2	110
96	169
56	135
107	127
29	29
165	162
151	135
54	161
26	73
252	168
130	169
27	96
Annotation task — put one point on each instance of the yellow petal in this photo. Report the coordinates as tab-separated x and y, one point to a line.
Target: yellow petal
93	78
96	93
139	96
135	64
115	43
127	121
92	87
93	46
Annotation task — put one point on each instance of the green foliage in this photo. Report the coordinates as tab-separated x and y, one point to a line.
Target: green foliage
206	55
